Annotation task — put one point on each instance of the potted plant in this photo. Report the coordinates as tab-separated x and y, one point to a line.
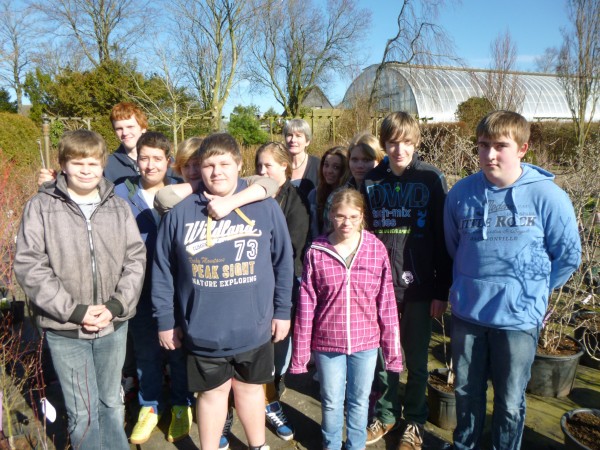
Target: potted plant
555	365
581	428
587	332
440	391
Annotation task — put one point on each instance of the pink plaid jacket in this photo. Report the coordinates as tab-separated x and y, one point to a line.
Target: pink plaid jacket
346	309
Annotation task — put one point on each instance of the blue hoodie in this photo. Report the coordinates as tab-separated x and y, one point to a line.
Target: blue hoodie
222	281
511	246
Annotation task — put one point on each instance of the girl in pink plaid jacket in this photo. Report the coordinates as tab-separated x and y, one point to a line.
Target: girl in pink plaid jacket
347	310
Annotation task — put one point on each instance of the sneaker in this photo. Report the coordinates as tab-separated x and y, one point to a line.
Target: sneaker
147	421
276	418
224	442
412	439
377	430
181	423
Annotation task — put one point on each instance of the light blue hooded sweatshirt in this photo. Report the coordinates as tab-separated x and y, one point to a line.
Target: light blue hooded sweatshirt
511	246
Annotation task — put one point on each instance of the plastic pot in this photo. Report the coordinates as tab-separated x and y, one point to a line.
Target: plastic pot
570	442
553	376
442	405
591	337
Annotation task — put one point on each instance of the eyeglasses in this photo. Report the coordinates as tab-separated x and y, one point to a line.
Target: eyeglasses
339	219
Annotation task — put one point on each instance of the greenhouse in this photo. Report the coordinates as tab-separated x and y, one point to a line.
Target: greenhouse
434	93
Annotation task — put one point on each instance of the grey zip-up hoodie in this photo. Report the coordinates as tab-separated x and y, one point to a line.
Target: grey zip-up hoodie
65	263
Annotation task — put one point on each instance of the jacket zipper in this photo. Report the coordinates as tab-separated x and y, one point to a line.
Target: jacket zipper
93	259
94	272
348	314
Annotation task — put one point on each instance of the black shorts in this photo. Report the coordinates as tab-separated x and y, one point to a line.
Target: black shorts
254	367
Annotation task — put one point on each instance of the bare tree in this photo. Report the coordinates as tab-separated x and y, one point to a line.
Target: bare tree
210	35
500	85
163	95
299	45
14	48
579	65
419	40
104	29
547	62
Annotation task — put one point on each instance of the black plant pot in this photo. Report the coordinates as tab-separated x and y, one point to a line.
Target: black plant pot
570	442
553	376
591	339
442	405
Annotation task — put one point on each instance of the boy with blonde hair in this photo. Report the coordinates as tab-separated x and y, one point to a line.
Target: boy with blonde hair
80	260
405	198
513	235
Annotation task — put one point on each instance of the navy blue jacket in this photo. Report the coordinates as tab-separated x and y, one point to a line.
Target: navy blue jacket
223	295
130	192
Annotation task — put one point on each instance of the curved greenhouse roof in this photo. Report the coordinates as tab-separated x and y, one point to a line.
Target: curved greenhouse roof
434	93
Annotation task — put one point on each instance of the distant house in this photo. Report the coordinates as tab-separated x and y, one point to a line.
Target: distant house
315	99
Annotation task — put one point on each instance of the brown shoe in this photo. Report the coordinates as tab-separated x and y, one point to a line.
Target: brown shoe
377	430
412	439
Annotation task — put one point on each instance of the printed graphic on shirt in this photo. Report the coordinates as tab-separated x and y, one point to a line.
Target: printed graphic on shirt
397	203
408	277
221	231
502	223
219	272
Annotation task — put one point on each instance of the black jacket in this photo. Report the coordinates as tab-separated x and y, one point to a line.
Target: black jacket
406	213
295	210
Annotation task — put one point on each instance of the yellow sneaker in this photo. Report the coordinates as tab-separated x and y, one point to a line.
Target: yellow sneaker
181	423
147	421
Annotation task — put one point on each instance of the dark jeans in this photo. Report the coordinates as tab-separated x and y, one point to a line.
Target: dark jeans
415	333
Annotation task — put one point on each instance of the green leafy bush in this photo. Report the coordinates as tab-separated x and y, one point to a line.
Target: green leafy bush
245	126
18	139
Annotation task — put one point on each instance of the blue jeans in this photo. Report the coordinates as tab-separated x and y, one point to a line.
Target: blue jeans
89	372
149	357
505	356
283	355
350	377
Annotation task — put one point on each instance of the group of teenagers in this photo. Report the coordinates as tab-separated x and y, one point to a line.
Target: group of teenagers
342	262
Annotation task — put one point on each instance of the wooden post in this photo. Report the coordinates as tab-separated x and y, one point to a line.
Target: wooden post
46	135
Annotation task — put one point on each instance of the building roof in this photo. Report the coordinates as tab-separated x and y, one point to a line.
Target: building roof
315	98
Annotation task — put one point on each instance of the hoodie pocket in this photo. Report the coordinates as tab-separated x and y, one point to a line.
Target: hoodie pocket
225	320
484	301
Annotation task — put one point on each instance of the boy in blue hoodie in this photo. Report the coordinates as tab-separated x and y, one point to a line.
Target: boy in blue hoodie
513	235
222	289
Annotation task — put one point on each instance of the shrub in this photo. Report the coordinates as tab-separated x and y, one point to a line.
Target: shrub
245	126
472	110
18	139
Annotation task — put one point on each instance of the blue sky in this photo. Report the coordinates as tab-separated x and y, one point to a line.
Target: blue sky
473	24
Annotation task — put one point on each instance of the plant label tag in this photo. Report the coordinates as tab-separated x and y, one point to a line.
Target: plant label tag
48	410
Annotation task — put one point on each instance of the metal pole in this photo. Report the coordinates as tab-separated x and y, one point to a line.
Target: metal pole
46	134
